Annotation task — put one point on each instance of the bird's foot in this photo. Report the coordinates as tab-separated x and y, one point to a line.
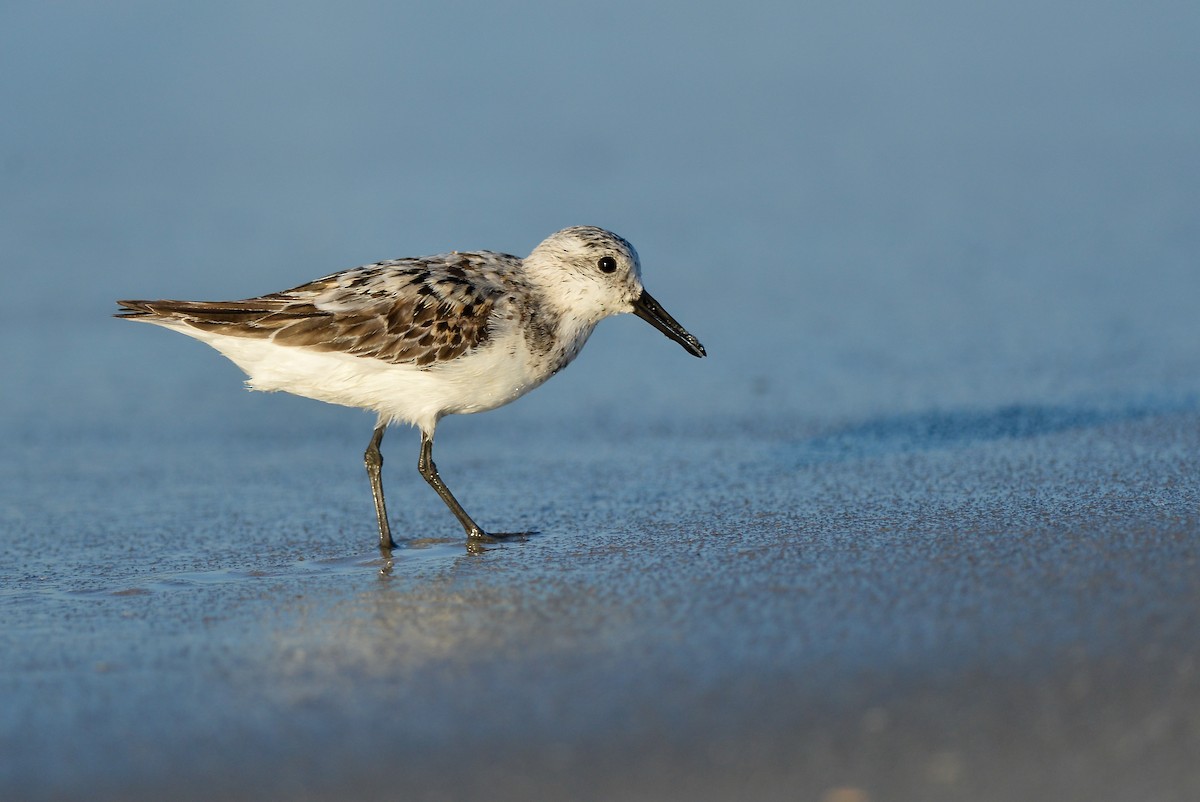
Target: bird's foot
479	540
480	536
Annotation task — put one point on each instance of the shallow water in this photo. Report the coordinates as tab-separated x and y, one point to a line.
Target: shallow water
923	526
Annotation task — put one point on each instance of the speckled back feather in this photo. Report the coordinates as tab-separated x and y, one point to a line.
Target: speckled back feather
418	311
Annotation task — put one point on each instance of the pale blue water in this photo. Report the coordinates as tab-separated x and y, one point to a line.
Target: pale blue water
923	524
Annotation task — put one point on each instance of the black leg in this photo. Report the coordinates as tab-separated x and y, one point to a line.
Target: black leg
374	461
430	474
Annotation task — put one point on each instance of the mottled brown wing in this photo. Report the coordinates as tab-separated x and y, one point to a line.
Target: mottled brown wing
411	311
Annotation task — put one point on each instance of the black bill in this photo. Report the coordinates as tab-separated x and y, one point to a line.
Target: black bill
648	310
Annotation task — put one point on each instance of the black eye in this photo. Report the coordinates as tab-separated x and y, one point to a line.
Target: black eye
607	264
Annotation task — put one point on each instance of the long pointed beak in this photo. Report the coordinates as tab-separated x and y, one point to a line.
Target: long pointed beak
648	310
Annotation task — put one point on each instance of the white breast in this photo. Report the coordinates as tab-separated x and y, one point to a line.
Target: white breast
483	379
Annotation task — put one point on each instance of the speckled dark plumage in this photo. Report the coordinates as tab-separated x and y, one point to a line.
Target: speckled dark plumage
404	311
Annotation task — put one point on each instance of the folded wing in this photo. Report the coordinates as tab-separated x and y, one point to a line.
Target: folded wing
409	311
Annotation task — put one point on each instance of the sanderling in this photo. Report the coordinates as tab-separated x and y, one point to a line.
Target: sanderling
417	339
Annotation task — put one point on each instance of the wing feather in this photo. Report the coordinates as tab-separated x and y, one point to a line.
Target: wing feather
407	311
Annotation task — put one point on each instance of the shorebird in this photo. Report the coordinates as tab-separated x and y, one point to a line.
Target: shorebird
420	338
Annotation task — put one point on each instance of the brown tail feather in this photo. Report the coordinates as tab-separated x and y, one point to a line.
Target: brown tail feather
207	311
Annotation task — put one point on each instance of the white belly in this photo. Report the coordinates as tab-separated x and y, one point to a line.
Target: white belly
475	382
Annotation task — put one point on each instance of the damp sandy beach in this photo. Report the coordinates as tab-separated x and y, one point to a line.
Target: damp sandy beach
923	526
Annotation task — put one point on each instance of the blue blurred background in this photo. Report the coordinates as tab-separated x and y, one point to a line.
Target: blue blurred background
923	522
858	207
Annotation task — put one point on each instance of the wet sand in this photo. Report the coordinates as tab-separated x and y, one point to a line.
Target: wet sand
993	605
923	526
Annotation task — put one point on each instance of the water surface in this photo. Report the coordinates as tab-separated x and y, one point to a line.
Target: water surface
923	525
